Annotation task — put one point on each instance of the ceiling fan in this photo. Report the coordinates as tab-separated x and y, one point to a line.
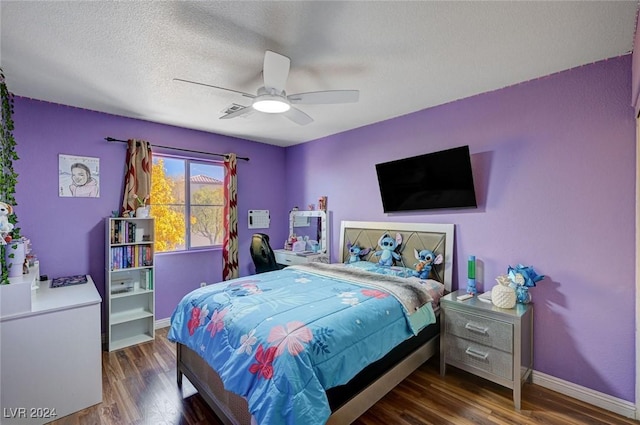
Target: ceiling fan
272	98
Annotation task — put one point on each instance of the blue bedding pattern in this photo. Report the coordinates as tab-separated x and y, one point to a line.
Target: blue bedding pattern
279	339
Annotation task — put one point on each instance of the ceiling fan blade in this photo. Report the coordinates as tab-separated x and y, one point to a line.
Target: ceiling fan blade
240	112
215	87
297	116
325	97
275	70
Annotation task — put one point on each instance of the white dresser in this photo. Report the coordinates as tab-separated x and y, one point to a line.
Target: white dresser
51	355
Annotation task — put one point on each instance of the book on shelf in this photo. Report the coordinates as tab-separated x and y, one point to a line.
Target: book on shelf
125	257
122	231
146	279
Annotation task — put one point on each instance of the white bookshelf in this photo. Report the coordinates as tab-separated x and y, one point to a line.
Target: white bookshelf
130	281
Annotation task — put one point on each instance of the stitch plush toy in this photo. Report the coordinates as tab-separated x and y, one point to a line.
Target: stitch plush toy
389	246
5	227
426	260
355	252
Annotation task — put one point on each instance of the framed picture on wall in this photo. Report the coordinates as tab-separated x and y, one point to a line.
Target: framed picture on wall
78	176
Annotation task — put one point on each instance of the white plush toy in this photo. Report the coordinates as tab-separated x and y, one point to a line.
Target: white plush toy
5	226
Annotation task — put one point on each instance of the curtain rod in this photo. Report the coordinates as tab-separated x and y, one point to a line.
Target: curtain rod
111	139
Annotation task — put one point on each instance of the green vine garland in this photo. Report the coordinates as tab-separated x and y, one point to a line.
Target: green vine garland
8	176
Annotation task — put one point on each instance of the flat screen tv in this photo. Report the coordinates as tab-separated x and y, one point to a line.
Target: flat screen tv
431	181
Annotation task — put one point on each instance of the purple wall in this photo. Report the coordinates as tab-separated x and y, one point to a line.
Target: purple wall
68	234
554	168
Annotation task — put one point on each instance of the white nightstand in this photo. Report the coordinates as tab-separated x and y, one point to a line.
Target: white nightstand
490	342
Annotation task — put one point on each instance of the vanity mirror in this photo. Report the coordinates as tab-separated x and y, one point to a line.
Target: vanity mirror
312	225
309	227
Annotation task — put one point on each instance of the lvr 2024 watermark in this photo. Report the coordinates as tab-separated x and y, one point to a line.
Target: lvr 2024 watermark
29	412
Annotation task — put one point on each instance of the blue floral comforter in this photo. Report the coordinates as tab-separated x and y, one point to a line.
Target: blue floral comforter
279	339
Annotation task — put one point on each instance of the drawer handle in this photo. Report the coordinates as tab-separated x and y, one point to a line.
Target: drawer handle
475	328
477	354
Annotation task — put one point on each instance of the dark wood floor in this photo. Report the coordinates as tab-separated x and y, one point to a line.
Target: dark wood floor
139	387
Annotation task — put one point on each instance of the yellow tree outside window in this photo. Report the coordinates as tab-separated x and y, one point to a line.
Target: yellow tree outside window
170	224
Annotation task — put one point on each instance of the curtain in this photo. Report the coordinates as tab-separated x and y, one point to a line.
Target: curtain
230	244
137	177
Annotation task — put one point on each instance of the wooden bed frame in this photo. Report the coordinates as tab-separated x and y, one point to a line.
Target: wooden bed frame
232	409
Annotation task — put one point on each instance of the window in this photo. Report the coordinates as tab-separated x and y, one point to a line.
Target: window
182	225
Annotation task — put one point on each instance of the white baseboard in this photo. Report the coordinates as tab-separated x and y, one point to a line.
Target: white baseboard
163	323
604	401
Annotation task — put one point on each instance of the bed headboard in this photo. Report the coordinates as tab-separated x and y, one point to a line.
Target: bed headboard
435	237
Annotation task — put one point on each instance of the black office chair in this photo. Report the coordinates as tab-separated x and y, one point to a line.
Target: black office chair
262	255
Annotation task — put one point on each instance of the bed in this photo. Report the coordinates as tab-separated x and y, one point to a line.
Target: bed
316	343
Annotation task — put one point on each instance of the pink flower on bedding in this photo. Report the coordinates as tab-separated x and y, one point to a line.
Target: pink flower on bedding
264	367
217	322
194	322
374	293
292	338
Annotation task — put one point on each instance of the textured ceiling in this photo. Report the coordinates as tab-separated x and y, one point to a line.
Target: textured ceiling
121	57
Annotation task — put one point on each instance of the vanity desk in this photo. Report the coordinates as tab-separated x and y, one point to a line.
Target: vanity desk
313	224
285	257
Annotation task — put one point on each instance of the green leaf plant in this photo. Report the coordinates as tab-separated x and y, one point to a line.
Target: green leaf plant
8	176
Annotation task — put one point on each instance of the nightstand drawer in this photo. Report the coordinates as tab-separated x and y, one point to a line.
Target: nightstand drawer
492	333
485	358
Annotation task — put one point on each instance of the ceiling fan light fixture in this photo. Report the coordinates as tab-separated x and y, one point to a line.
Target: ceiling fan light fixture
271	104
